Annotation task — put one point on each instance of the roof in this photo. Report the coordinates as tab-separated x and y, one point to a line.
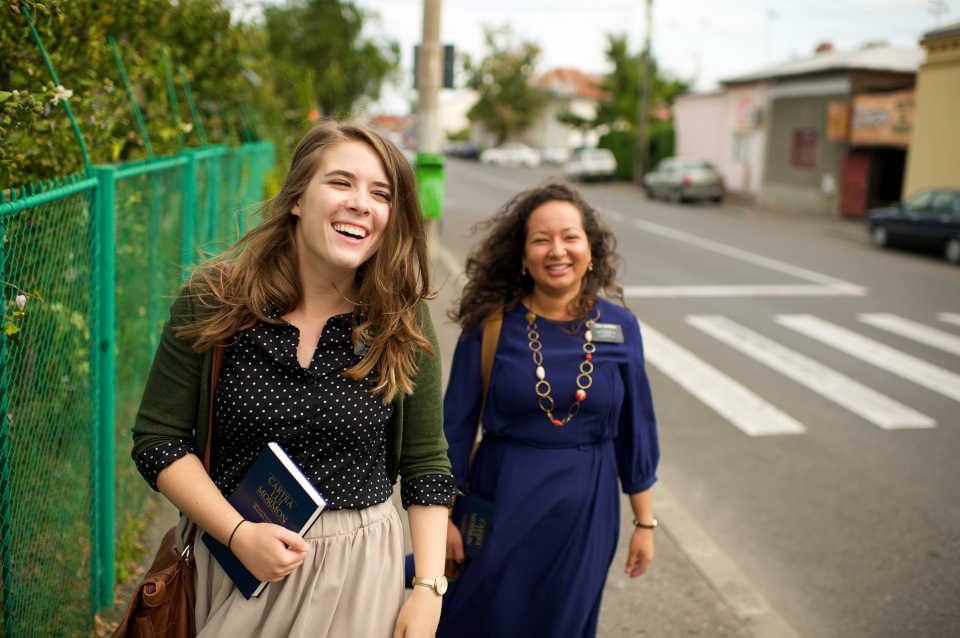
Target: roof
882	57
573	83
950	29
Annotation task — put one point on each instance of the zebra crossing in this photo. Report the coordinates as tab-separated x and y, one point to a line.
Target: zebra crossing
755	416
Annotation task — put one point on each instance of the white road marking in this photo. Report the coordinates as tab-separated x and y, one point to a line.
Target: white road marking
752	258
853	395
734	402
739	290
899	363
913	330
950	317
824	285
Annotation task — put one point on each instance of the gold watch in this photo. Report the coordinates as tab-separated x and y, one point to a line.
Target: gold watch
437	583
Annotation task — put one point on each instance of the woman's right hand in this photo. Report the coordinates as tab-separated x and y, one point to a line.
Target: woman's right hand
268	551
454	542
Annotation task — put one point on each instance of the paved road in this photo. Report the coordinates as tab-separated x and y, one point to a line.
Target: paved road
806	386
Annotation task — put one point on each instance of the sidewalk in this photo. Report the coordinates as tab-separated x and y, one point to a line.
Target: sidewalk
675	598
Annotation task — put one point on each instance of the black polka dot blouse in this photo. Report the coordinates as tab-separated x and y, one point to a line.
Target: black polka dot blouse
333	427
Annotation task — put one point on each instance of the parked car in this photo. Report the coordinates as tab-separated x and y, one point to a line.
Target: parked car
554	155
931	218
511	154
463	150
679	179
590	163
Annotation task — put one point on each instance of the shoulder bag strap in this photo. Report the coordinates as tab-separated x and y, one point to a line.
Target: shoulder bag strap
488	349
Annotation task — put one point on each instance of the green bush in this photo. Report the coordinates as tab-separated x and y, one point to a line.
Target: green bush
660	144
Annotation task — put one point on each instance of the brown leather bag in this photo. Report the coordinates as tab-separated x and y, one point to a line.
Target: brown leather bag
164	604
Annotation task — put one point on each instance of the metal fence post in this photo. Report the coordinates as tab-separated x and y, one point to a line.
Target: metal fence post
5	539
189	212
103	547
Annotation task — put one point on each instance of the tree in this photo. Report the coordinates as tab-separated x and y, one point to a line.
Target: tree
620	114
623	82
324	37
507	102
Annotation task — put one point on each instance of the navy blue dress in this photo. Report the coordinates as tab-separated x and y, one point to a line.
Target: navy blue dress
556	503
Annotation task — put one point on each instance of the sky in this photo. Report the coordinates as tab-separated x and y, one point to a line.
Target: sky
701	41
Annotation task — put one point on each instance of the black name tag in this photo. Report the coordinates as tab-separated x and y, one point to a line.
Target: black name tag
607	333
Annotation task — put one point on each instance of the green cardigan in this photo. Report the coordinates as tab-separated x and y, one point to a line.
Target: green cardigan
176	401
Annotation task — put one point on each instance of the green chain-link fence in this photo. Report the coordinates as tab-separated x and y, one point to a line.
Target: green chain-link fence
89	265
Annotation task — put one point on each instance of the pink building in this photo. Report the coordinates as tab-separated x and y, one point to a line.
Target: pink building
725	128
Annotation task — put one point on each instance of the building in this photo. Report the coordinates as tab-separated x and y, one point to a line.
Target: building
825	134
725	127
569	91
934	159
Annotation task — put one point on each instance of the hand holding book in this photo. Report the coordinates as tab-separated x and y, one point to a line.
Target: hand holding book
280	505
268	551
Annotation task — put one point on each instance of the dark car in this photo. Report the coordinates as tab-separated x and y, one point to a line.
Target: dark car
931	218
679	179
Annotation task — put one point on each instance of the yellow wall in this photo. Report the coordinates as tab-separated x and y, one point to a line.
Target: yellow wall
934	156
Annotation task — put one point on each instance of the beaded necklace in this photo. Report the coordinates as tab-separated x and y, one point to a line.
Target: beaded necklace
584	380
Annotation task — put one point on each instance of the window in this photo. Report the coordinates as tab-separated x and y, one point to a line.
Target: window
942	202
803	151
919	201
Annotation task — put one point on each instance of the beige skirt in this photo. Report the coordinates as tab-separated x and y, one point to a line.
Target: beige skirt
350	584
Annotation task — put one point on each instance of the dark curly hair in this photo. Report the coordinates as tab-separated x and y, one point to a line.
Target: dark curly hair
493	271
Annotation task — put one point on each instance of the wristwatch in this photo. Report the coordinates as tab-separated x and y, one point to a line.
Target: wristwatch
653	525
437	583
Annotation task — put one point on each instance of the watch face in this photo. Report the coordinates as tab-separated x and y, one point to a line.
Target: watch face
441	585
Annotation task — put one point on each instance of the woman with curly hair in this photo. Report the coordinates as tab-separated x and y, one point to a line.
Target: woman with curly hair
568	411
328	349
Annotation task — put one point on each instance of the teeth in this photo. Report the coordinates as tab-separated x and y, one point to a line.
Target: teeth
350	229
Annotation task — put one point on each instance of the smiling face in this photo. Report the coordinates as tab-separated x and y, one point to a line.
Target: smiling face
556	249
343	211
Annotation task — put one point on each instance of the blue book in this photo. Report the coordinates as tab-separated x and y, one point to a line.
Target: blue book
473	515
273	490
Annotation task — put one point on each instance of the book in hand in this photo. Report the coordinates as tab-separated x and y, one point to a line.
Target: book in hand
273	490
473	515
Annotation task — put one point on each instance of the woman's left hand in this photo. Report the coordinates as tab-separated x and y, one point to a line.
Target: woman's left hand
641	552
419	615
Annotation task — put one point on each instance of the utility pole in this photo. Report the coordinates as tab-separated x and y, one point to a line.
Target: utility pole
429	164
640	150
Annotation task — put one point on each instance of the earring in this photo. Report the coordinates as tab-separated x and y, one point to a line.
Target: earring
523	270
590	266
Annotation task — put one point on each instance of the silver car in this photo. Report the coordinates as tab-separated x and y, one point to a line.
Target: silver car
590	163
679	179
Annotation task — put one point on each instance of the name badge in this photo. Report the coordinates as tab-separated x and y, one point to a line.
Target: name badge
607	333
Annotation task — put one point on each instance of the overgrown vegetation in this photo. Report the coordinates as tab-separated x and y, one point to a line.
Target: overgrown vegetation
248	80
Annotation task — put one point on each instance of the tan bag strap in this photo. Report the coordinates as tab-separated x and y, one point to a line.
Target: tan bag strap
488	349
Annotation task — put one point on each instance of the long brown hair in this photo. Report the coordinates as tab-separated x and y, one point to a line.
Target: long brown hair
260	273
494	270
